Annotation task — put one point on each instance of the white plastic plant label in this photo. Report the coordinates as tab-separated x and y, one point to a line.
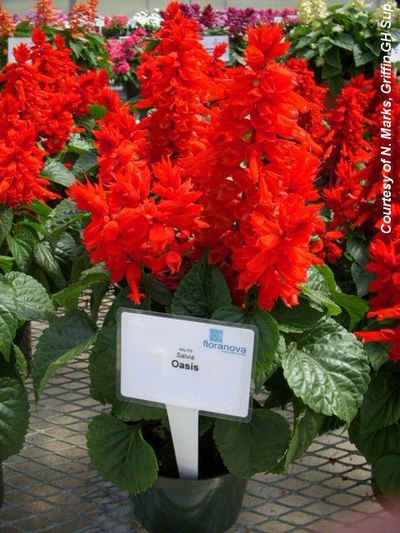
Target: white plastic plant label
13	42
197	364
211	41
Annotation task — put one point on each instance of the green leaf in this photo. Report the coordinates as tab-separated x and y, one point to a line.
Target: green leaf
97	111
131	411
121	455
376	444
33	301
343	40
332	58
157	291
22	244
21	363
69	296
381	406
362	279
334	79
201	292
268	332
361	56
253	447
306	428
85	162
328	370
387	476
378	353
66	252
317	290
355	306
66	337
14	417
79	144
44	256
358	248
41	209
103	366
8	316
6	263
6	220
296	319
58	173
65	215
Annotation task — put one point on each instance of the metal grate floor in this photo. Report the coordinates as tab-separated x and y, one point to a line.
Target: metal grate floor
51	486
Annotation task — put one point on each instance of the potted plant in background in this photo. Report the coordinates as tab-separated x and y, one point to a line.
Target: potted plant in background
207	208
125	54
341	41
359	182
78	28
45	141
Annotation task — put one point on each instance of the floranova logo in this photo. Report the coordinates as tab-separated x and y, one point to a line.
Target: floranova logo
216	342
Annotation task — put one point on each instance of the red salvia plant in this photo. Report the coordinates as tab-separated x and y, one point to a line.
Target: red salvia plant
257	176
41	98
208	208
364	199
235	177
176	90
312	119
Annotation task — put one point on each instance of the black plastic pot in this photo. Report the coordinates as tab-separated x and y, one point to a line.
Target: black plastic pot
174	505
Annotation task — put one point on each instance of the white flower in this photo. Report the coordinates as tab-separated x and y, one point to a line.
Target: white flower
337	28
357	4
312	11
144	19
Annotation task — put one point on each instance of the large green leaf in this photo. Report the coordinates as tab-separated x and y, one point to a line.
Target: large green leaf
253	447
376	444
354	305
6	263
44	256
65	216
378	353
381	405
85	162
80	144
201	292
296	319
306	428
103	366
328	370
22	244
6	219
343	40
322	288
120	453
268	331
317	290
66	337
69	296
33	301
8	316
14	417
332	58
57	172
387	476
